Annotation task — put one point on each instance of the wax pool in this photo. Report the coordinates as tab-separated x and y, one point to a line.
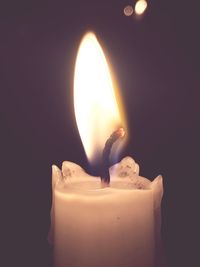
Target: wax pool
117	226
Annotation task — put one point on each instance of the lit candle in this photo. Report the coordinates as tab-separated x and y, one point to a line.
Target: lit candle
117	224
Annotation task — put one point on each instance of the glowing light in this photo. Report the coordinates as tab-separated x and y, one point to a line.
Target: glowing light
128	11
96	109
140	7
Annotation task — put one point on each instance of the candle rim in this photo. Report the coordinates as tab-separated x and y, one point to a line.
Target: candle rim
72	186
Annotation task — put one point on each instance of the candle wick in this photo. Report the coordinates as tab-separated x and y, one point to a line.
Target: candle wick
105	175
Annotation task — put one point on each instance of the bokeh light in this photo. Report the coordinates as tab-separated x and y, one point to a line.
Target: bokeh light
140	7
128	11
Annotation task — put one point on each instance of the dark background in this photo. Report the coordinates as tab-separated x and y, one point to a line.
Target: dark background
156	61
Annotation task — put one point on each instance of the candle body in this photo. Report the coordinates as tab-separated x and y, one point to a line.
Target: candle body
115	226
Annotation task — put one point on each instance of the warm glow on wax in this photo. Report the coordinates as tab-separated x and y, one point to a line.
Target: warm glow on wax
96	109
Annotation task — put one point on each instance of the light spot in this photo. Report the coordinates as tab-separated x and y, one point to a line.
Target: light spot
128	11
140	7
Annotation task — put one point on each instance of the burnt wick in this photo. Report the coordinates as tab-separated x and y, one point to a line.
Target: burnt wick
105	175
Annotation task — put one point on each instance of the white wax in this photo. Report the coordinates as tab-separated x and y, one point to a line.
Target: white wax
117	226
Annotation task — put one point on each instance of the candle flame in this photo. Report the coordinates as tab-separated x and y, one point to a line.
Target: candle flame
95	102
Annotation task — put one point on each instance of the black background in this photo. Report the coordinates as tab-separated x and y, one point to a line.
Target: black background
156	61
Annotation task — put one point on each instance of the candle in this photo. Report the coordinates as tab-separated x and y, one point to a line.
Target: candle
114	226
93	225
